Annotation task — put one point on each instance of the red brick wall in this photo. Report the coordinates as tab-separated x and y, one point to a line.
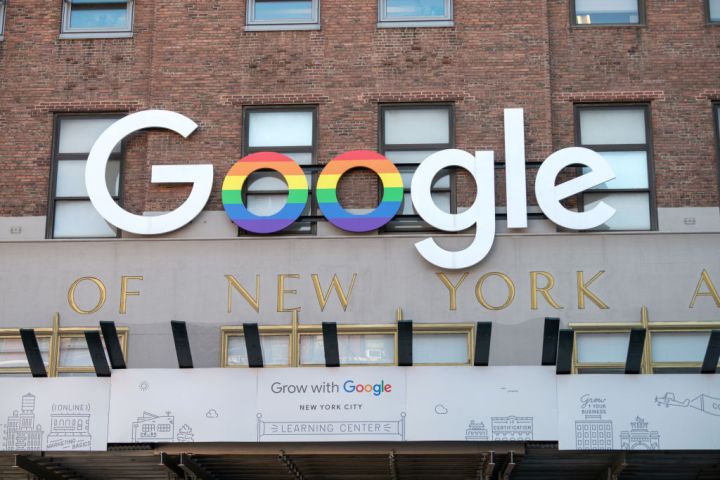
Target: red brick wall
195	58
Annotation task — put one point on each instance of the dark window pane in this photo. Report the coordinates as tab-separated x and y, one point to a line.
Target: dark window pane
291	10
416	8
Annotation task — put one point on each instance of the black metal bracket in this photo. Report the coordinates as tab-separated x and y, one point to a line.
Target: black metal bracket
566	340
330	344
32	352
405	343
112	343
191	466
483	334
712	354
182	344
550	341
252	344
97	353
633	364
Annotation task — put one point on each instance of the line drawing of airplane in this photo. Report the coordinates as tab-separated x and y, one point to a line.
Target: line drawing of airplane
669	401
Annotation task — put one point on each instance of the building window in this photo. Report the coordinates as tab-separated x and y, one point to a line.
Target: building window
408	135
601	351
714	10
677	347
607	12
64	351
283	14
354	348
620	134
105	18
13	360
2	18
442	345
291	132
70	213
275	343
414	13
73	353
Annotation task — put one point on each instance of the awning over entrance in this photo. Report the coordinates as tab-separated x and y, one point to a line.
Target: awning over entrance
358	461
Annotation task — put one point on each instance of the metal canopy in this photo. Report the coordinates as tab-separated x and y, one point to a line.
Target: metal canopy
362	461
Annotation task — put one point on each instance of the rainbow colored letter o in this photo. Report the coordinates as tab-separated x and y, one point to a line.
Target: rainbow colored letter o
235	179
392	191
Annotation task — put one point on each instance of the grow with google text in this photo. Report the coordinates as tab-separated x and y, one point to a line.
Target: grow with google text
480	166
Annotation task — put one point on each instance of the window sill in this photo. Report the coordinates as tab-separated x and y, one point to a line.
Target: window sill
90	35
283	27
416	24
607	25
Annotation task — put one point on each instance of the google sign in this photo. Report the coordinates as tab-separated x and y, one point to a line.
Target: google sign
480	166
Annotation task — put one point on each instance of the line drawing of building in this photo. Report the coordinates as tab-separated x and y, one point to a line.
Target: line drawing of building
512	428
477	431
21	432
639	437
155	428
69	431
593	433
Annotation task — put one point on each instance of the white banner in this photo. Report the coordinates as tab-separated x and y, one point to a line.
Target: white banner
193	405
481	404
331	404
639	412
54	414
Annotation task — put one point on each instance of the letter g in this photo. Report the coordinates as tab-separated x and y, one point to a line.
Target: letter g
201	176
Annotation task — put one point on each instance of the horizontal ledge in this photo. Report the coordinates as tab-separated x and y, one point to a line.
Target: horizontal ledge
94	35
416	24
280	28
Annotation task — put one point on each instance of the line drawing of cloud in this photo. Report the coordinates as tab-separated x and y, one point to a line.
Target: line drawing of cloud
440	409
212	413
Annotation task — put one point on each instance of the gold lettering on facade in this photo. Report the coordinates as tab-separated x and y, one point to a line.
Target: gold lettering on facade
234	284
711	290
281	292
510	287
101	300
335	283
545	291
452	289
583	290
124	293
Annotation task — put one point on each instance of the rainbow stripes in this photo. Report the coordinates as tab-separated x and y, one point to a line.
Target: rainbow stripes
392	191
235	179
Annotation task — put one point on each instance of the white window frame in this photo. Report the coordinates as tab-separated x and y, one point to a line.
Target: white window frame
282	24
109	32
385	21
574	17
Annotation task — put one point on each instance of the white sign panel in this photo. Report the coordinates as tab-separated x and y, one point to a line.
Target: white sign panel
481	404
194	405
332	404
639	412
54	414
